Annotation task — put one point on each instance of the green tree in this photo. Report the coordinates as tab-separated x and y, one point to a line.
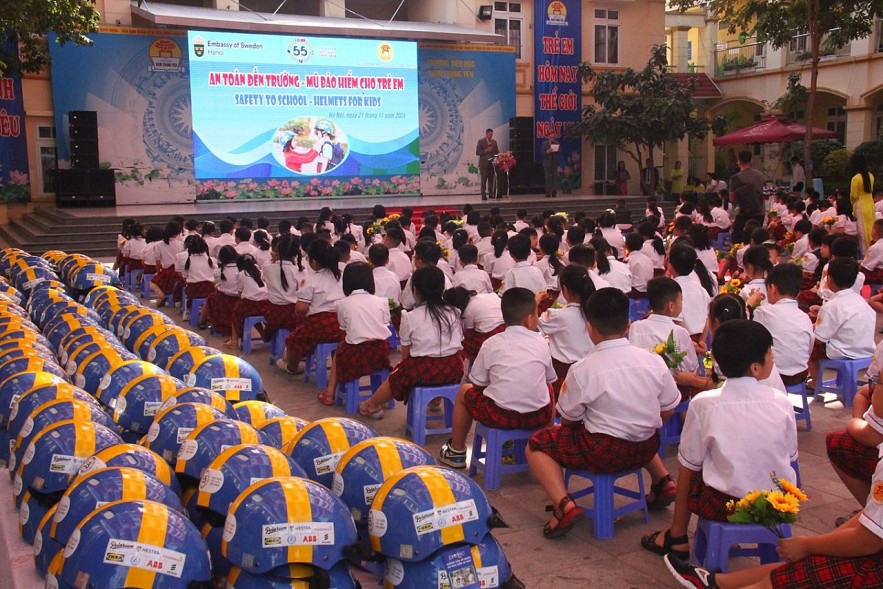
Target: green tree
777	22
28	20
639	111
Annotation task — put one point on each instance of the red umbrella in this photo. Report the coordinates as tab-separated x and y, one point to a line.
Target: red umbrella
772	130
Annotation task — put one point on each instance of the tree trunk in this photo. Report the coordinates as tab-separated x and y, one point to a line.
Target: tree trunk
815	39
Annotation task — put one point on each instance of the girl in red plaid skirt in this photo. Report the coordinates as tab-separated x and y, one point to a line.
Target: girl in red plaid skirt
431	338
365	320
284	275
218	309
318	301
252	298
167	280
482	317
198	271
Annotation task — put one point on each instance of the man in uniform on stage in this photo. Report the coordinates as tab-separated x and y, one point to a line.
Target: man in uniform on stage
485	150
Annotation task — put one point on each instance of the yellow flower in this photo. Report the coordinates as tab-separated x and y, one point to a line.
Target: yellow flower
783	502
746	501
735	282
790	488
660	348
731	506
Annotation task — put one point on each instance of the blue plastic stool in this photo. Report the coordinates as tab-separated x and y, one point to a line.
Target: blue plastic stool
317	363
195	310
248	325
670	432
801	414
847	381
277	345
714	541
796	468
134	281
353	393
603	513
418	418
145	285
489	455
638	308
393	339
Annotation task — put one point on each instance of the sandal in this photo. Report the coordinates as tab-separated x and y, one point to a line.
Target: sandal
566	521
368	410
663	493
327	399
649	543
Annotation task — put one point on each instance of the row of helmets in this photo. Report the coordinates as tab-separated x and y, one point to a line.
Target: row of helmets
255	482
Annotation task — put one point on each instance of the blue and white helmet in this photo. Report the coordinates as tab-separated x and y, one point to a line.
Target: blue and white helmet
281	430
208	441
201	395
171	427
294	576
257	413
140	400
319	446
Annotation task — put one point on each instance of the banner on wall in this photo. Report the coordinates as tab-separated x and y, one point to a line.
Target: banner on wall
304	108
558	91
15	185
464	89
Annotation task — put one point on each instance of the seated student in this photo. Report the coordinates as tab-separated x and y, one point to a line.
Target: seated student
284	275
697	288
430	344
719	213
565	327
481	314
509	380
623	216
399	263
198	270
850	556
844	328
790	327
612	234
845	223
354	254
520	220
733	436
226	227
426	253
167	280
757	264
253	299
317	300
616	273
499	261
134	248
872	264
471	277
612	403
640	266
364	317
386	284
523	274
653	247
843	246
801	233
699	238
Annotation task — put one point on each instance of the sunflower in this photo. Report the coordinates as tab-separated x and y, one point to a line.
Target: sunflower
746	501
790	488
783	502
660	348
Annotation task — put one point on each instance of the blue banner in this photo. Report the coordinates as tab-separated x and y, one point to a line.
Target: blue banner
15	185
292	107
558	91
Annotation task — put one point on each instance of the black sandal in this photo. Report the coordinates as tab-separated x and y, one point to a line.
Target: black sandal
661	498
649	543
566	521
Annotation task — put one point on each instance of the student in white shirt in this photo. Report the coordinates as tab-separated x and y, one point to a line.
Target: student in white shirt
612	403
471	277
283	277
508	384
253	298
431	338
845	323
845	222
872	263
666	302
243	241
198	271
364	317
484	245
790	327
317	299
616	273
386	284
219	305
718	213
653	247
696	286
133	249
226	237
611	234
167	280
482	317
549	263
499	261
521	220
523	274
565	327
801	244
733	436
757	264
399	263
640	266
262	246
426	253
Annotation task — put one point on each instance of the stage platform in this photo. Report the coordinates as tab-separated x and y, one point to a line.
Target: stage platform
93	231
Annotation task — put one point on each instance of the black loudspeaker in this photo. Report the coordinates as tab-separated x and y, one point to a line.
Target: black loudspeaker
84	146
83	117
521	138
89	160
81	132
85	187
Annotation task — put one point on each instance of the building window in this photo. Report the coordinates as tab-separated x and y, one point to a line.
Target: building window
46	153
836	122
508	22
689	50
605	169
606	36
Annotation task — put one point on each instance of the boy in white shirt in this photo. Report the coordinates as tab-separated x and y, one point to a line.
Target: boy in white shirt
471	277
426	253
666	302
844	327
801	245
733	436
521	220
682	266
640	265
790	327
399	263
612	403
719	215
226	238
509	379
872	264
523	274
386	284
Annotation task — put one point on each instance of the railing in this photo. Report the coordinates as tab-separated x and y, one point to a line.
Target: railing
800	50
739	59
